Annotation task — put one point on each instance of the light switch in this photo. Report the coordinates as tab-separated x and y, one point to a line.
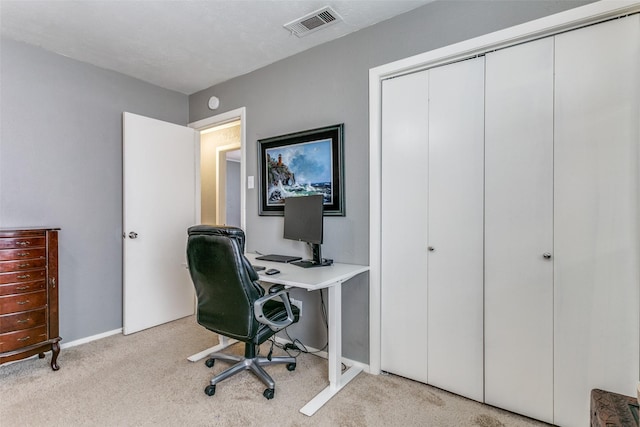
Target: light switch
250	183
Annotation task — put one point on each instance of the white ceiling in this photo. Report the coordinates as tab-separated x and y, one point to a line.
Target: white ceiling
182	45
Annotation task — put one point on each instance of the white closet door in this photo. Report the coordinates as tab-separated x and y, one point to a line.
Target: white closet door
404	226
456	152
519	229
597	215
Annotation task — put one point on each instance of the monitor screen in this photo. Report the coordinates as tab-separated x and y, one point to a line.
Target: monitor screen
303	218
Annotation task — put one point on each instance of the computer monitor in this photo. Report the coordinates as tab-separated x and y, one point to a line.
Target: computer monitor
303	221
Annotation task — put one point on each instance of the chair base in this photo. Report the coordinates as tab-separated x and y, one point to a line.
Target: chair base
253	364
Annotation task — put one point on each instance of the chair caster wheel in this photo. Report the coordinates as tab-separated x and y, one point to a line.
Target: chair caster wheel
291	366
210	390
210	362
268	393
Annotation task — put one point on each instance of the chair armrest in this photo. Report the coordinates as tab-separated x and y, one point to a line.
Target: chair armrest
259	312
276	288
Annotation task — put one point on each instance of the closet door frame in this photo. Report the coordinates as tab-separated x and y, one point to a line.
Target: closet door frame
543	27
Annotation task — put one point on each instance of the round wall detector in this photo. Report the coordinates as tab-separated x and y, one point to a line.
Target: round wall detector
214	102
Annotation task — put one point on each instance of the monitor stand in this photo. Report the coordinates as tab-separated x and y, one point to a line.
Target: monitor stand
317	260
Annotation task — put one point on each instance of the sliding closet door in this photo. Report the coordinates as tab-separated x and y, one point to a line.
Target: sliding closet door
597	214
404	226
519	229
456	169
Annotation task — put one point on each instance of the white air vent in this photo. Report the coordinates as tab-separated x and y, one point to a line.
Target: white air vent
314	21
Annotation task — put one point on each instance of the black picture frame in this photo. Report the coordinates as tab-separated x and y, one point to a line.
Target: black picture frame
299	164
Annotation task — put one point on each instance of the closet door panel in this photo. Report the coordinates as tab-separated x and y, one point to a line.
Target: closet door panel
597	213
519	229
456	169
404	226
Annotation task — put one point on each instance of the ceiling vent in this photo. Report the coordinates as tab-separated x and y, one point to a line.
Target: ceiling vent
313	22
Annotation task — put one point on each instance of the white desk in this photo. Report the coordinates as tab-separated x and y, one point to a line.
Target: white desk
313	279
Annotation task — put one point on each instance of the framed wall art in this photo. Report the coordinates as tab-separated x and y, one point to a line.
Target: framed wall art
301	164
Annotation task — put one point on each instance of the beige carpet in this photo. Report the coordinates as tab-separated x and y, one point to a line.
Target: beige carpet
145	379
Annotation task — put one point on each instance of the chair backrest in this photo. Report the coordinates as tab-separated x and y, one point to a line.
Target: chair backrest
224	281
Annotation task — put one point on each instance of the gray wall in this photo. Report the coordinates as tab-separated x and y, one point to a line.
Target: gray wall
328	85
61	165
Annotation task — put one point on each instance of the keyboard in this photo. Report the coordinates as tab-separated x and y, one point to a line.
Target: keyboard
278	258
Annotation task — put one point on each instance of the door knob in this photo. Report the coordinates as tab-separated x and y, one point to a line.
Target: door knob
546	255
431	248
133	235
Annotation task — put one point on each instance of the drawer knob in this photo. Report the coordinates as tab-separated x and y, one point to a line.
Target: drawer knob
22	288
22	321
24	339
23	302
23	243
24	276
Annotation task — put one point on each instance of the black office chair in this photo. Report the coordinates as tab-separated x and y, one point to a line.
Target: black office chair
231	302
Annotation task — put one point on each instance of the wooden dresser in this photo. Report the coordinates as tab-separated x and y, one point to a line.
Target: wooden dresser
29	294
610	409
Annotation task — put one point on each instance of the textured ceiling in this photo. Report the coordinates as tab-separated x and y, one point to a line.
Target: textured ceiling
182	45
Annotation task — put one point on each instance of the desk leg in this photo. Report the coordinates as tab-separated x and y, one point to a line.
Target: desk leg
337	380
223	341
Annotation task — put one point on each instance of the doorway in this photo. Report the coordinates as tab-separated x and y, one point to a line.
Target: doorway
222	169
220	174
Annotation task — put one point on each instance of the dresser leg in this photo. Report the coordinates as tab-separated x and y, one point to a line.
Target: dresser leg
55	347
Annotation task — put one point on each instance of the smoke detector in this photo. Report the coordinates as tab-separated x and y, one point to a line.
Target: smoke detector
313	21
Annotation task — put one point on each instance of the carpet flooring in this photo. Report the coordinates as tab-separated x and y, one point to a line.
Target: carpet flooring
144	379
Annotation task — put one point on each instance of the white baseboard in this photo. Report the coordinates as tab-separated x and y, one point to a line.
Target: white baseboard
323	354
73	344
91	338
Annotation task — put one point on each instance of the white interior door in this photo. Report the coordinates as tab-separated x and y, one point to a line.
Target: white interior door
159	185
519	229
404	226
455	274
597	215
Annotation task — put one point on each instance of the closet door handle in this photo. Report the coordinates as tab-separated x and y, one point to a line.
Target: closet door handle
431	248
546	255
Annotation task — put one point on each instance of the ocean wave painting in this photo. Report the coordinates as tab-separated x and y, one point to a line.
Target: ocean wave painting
303	163
299	170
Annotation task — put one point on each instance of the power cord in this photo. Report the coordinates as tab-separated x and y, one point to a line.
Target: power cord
297	345
270	351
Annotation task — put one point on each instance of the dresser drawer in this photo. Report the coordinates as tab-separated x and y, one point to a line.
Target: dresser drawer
19	265
20	321
21	288
19	254
22	302
22	276
22	242
13	340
